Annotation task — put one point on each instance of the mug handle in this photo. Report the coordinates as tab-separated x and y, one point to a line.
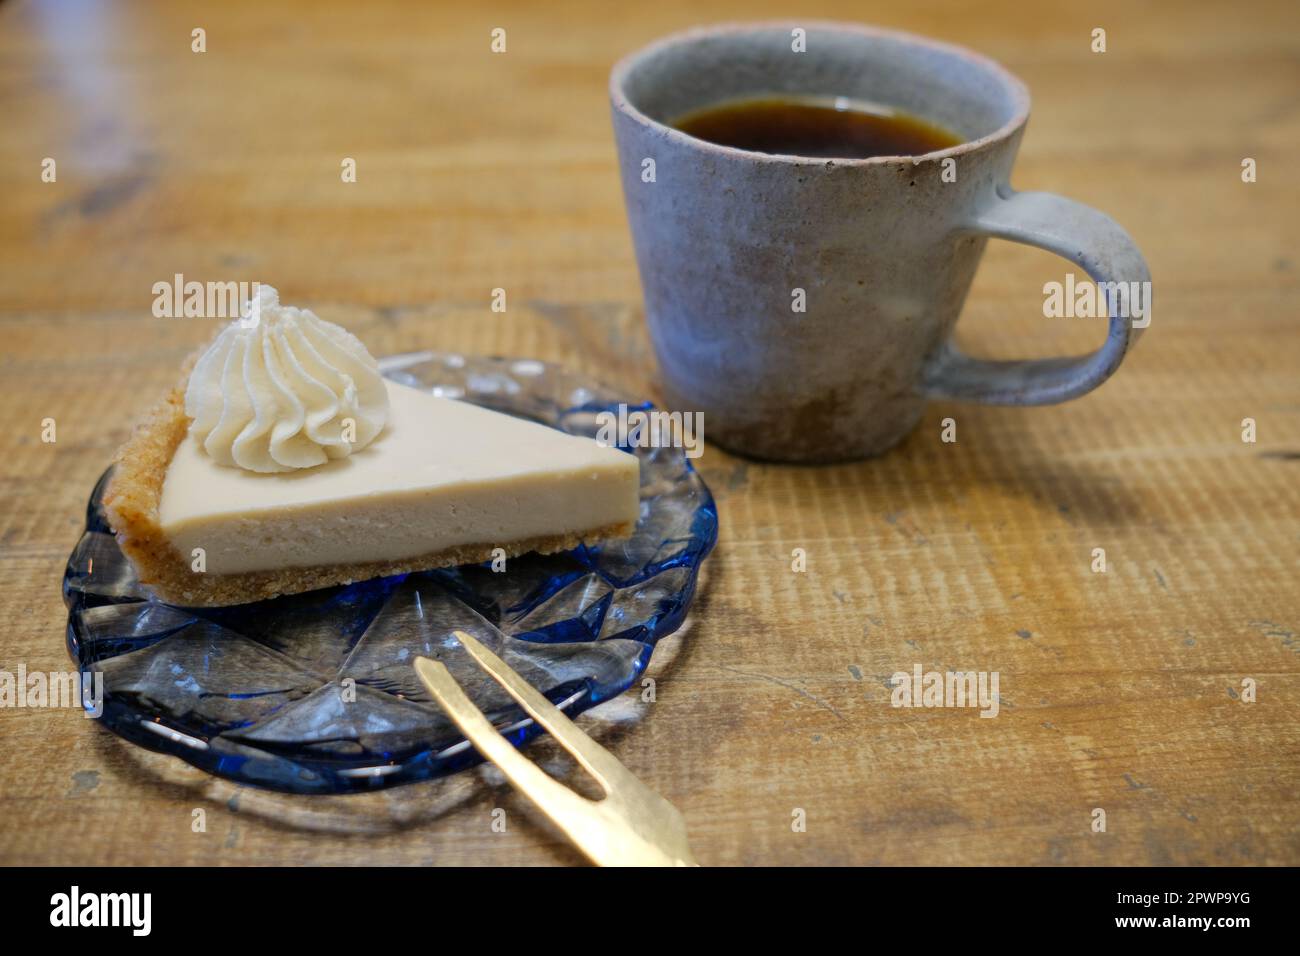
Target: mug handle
1089	238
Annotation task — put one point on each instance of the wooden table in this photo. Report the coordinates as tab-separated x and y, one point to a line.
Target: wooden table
1120	690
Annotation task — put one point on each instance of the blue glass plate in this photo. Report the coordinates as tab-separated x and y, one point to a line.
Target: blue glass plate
315	693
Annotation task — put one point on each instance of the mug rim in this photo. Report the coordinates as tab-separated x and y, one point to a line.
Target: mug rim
620	102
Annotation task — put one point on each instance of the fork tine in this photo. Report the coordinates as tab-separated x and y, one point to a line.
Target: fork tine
598	761
642	830
487	739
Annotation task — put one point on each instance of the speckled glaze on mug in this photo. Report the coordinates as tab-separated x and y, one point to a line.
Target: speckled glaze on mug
884	248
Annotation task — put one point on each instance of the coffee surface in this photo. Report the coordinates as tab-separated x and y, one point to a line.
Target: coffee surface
830	127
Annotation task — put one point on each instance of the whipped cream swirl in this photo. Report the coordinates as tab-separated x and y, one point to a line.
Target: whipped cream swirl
282	389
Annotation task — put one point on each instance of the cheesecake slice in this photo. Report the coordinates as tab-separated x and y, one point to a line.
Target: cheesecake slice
440	482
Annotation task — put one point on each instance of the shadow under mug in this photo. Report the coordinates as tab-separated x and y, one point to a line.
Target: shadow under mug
883	249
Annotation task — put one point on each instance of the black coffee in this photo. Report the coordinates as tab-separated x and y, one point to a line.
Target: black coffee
831	128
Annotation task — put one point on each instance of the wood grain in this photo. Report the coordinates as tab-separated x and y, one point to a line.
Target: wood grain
476	171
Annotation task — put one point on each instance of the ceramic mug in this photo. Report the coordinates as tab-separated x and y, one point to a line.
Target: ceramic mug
884	249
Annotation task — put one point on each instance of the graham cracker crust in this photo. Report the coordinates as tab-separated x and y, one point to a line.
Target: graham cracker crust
131	502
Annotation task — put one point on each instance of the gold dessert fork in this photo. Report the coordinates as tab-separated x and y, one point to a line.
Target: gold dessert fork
631	826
